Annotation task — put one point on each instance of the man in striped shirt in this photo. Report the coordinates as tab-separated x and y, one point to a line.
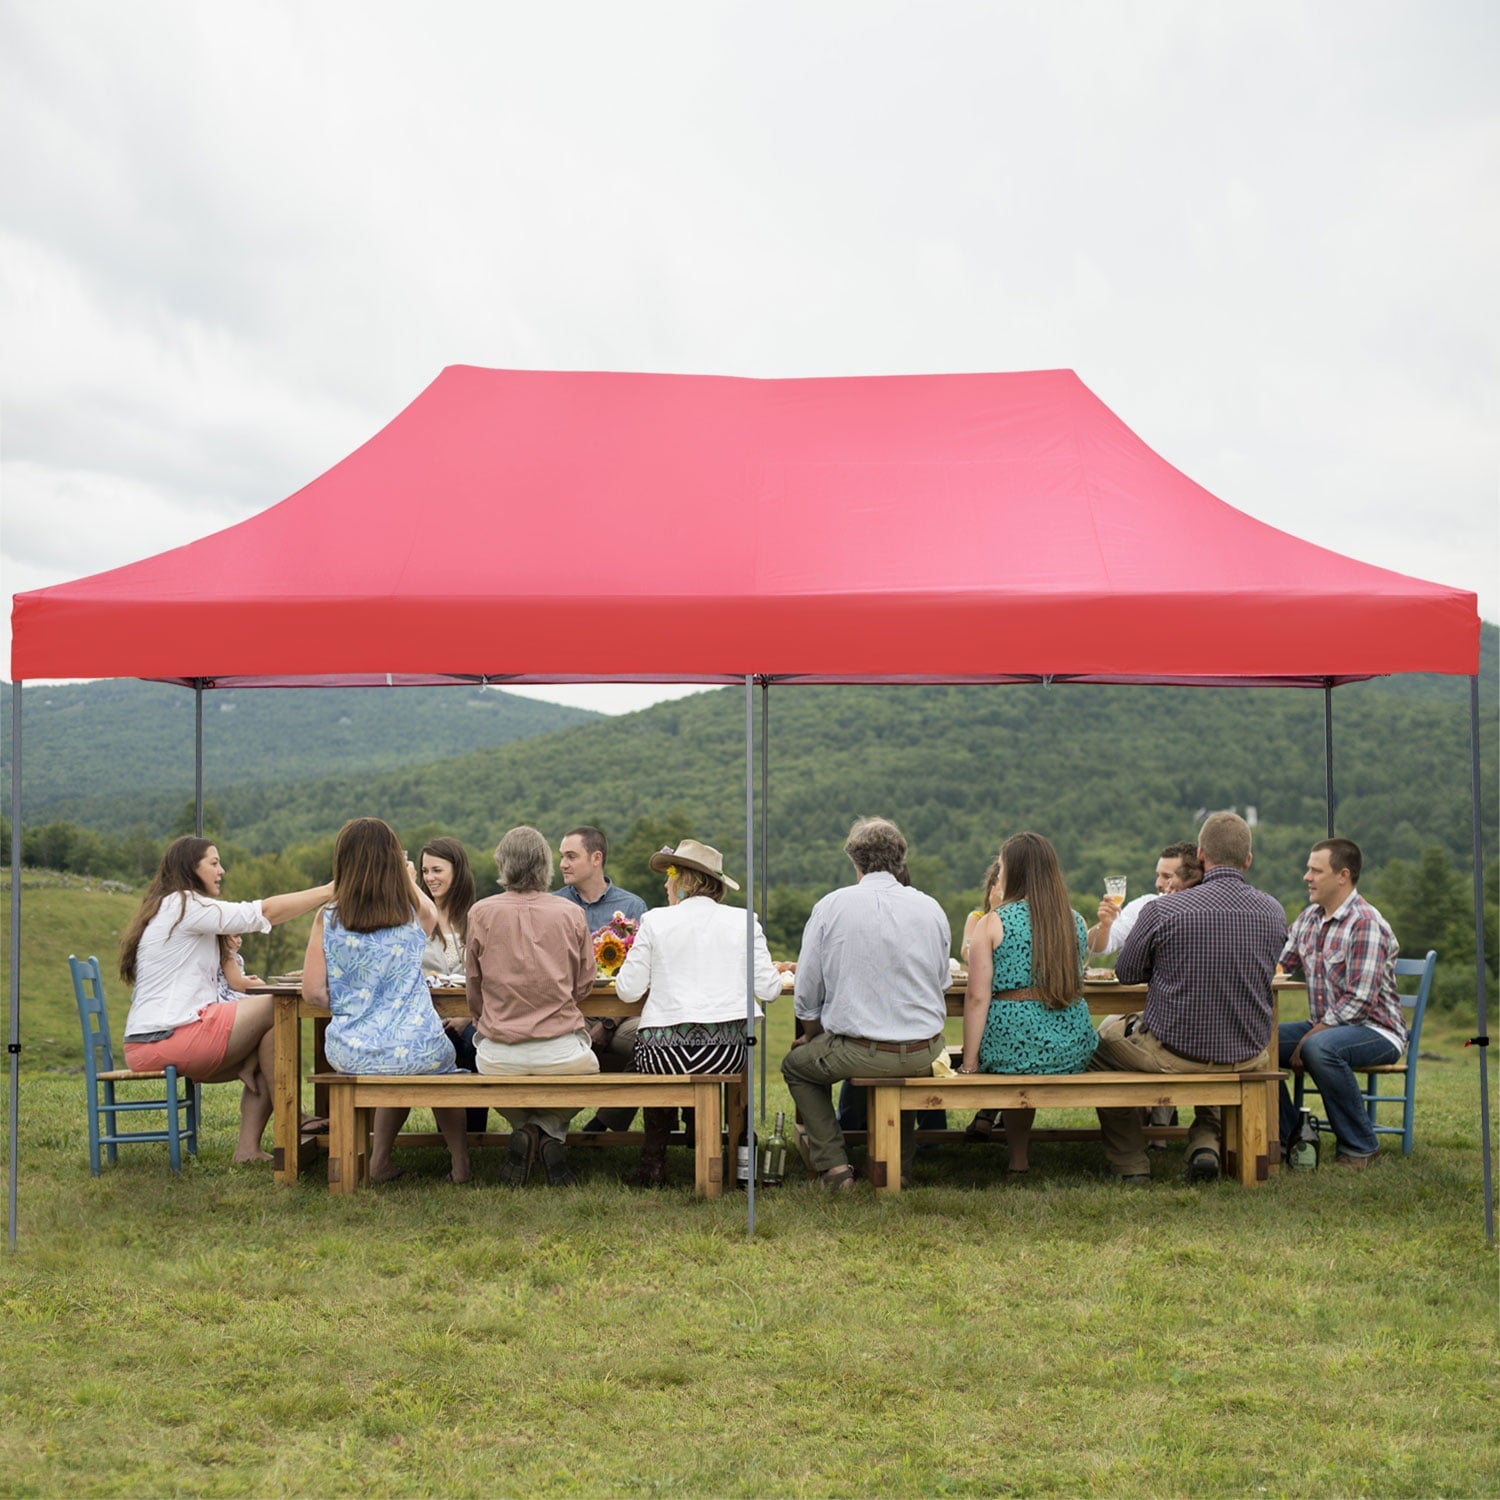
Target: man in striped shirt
1207	957
1347	952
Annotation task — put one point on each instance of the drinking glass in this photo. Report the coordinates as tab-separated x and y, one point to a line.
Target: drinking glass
1114	890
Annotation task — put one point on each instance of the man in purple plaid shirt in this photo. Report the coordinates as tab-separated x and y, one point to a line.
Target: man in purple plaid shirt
1347	952
1207	957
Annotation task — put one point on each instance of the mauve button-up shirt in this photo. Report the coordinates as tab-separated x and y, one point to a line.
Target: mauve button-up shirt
529	961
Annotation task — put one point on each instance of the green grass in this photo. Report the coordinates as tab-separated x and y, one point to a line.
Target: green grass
1329	1334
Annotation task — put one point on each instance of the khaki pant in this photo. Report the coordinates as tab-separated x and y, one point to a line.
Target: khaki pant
1140	1052
812	1069
617	1055
565	1055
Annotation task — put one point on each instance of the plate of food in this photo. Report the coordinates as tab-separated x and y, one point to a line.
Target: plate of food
1101	976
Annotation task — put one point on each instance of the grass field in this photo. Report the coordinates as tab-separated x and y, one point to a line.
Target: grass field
1329	1334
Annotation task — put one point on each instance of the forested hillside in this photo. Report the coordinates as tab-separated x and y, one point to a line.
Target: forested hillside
1110	774
111	755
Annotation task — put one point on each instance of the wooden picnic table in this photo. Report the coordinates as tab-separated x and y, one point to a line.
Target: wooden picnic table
290	1151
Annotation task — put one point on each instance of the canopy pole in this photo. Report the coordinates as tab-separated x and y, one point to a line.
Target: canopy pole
1328	752
15	949
765	855
750	953
198	756
1481	1036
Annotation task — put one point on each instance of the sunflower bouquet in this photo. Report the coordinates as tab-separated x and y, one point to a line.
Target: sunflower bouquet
611	944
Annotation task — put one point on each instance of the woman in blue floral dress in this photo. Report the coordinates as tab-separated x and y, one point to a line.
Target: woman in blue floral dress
364	961
1023	1010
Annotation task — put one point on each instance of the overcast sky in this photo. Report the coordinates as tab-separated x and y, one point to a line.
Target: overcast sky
236	238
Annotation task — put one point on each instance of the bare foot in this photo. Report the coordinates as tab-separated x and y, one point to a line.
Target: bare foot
384	1174
242	1159
461	1174
249	1075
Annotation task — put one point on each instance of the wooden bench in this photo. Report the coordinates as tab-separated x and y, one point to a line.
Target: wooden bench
353	1098
1241	1096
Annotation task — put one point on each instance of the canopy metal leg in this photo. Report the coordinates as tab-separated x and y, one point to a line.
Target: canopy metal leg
765	856
1328	752
15	951
750	950
1481	978
198	757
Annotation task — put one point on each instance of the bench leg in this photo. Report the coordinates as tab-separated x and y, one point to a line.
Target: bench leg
884	1144
348	1142
708	1127
1254	1165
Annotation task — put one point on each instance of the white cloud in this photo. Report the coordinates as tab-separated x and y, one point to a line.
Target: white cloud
235	240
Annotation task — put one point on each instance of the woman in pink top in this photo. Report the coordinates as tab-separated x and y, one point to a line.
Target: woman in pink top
529	960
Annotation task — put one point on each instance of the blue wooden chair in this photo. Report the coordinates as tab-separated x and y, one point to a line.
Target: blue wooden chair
181	1104
1414	1001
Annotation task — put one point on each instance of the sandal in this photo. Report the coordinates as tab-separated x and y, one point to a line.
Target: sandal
314	1125
836	1179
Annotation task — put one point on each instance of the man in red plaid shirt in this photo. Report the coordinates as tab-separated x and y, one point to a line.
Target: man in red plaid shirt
1347	952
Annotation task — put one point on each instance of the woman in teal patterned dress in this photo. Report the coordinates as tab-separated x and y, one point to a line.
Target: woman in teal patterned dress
1023	1010
364	961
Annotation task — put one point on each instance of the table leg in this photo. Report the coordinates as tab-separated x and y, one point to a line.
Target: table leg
286	1089
734	1122
1273	1095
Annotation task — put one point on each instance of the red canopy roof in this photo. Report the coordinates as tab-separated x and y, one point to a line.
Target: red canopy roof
549	526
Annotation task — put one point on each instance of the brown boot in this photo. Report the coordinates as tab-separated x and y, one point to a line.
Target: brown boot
652	1171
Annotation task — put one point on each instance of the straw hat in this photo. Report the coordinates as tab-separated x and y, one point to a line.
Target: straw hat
691	855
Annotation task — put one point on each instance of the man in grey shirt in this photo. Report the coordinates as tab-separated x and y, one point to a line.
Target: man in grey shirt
871	982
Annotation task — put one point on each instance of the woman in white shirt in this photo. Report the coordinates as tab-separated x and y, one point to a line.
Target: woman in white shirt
170	956
448	879
688	960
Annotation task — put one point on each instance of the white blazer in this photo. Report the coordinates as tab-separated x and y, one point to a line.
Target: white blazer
691	957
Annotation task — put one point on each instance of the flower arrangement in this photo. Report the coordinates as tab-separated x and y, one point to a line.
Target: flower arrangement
611	944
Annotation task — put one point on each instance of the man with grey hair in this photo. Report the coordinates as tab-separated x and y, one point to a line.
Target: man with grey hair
871	982
1207	957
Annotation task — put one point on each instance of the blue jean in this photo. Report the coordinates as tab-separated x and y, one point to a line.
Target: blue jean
1331	1059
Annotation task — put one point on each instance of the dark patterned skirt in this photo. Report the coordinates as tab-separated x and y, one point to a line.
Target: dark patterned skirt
691	1047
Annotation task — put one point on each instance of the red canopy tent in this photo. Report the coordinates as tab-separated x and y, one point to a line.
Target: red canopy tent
893	528
986	528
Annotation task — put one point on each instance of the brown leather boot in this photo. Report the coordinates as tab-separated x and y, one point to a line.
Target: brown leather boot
652	1171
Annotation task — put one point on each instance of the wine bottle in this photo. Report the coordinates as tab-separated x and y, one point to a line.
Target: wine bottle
744	1157
773	1154
1302	1152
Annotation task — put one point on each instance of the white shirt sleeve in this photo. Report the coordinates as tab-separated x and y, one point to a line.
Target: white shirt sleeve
634	978
1125	921
204	914
767	978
